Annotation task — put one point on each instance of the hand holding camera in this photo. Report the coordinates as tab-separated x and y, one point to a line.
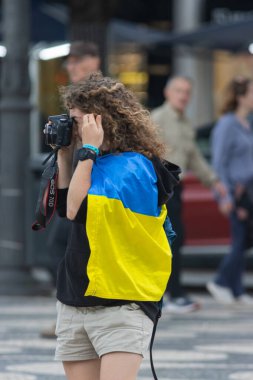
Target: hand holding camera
59	135
92	130
58	130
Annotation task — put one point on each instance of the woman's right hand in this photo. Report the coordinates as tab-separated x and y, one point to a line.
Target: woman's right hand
226	207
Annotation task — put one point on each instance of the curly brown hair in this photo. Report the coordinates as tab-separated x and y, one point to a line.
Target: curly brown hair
127	125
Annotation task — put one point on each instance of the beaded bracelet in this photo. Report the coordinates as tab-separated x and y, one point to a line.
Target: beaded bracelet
91	147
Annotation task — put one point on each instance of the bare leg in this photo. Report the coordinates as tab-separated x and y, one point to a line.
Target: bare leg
120	366
82	370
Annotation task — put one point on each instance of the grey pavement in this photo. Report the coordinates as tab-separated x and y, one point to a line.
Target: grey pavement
215	342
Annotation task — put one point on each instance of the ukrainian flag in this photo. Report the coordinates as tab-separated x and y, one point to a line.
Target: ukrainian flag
130	257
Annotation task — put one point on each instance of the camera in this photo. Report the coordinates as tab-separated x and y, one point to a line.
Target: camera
58	131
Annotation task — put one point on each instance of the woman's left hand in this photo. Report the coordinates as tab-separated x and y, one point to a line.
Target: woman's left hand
220	189
226	207
92	130
242	213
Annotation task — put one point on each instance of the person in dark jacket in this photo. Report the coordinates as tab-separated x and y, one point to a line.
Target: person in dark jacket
118	259
83	58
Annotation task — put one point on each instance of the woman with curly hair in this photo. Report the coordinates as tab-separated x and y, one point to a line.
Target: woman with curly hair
118	258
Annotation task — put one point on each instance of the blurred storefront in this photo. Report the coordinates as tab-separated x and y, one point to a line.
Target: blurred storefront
235	59
143	42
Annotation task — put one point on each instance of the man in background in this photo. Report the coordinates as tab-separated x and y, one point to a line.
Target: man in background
83	59
178	135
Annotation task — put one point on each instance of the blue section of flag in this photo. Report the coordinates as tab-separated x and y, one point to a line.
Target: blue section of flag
128	177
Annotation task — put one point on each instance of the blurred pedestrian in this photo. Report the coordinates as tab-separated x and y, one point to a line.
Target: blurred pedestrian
232	156
178	135
118	259
83	59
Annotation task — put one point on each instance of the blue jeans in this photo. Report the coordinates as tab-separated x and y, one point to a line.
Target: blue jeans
231	269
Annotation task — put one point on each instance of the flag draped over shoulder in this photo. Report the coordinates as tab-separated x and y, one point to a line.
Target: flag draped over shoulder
130	257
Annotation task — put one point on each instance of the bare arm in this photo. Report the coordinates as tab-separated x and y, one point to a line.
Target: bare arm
78	187
92	133
200	167
64	160
205	173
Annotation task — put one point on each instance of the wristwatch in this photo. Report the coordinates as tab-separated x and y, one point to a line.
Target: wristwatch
86	154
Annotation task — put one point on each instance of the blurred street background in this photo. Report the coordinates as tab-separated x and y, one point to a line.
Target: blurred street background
142	43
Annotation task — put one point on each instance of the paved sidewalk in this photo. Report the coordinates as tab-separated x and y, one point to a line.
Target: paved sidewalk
215	343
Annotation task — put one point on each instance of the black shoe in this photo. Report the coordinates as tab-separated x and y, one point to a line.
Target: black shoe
48	333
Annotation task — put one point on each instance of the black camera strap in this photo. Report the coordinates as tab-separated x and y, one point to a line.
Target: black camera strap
46	203
152	341
53	153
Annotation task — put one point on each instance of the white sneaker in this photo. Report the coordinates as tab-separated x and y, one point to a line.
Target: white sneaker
220	293
245	299
180	305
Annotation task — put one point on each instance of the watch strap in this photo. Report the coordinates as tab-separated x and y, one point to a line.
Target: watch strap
86	154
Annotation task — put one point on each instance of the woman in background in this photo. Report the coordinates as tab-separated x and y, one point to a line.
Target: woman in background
232	154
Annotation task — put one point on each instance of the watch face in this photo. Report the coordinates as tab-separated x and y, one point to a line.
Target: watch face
85	154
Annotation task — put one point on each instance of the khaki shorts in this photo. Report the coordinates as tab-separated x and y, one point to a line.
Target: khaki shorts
85	333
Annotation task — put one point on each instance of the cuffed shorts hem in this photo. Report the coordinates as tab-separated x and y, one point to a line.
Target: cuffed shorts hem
73	358
120	349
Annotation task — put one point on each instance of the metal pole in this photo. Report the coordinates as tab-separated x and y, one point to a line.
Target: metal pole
14	147
187	16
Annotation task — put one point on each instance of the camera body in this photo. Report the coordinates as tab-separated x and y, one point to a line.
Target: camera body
58	131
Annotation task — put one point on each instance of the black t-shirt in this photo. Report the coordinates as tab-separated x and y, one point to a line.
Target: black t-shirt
72	276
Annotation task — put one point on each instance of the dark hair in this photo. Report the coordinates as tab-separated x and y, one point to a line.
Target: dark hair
237	87
127	125
83	48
